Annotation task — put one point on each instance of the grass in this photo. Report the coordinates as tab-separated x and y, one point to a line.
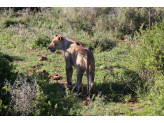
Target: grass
24	59
111	82
120	89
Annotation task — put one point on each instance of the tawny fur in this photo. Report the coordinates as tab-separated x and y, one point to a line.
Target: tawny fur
78	56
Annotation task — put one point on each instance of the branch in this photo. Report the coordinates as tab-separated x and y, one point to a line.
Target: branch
130	88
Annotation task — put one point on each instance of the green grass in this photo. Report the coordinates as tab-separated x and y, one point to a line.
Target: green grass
24	59
111	81
124	88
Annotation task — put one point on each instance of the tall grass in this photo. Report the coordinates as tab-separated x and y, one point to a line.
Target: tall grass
79	23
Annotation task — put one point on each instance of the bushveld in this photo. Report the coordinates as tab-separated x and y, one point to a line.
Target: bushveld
128	42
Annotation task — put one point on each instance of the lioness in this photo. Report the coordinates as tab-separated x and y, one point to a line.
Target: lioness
78	56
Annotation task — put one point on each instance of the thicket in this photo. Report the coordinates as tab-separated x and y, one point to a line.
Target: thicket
147	56
96	27
147	52
23	9
6	72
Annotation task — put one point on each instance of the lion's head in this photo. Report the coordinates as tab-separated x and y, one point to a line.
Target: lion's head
56	44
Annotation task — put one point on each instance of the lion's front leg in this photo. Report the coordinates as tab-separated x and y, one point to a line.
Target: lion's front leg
69	71
75	88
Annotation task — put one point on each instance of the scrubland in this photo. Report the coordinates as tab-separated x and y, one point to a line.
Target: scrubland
127	41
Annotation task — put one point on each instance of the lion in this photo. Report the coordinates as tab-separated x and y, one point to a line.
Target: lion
78	56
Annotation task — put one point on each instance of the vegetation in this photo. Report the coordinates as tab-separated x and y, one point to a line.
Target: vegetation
128	41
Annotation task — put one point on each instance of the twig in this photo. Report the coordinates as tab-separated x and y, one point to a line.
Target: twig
130	88
162	74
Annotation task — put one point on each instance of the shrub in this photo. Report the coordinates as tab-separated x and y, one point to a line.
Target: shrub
26	96
131	18
120	36
153	102
6	71
41	41
82	18
12	21
103	41
147	53
151	43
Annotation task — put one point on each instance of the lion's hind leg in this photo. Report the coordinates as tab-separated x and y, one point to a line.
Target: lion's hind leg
69	71
79	86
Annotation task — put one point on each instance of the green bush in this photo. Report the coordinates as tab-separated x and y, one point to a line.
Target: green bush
147	55
15	9
120	36
5	68
6	72
131	18
12	21
103	41
151	44
41	41
82	18
153	102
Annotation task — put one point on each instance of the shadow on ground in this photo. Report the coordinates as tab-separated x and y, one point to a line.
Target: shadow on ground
120	86
62	102
11	58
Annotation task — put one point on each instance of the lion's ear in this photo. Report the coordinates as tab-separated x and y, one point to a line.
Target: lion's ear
55	36
59	38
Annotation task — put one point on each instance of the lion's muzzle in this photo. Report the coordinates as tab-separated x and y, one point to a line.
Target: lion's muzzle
50	49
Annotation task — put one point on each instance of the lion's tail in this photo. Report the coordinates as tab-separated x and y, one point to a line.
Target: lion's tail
87	74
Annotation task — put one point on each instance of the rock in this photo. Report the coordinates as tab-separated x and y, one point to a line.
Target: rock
51	75
42	58
42	72
86	103
121	112
103	67
55	76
